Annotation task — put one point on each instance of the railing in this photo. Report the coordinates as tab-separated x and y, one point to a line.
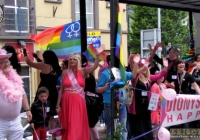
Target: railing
18	19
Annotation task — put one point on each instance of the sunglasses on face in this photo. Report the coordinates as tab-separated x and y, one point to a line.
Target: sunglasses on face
72	59
4	62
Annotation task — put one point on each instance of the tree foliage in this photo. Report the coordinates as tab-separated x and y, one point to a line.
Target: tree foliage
172	29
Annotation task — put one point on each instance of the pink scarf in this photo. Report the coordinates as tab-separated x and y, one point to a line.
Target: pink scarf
11	88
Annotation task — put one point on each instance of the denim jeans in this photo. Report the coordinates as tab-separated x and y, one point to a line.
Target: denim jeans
107	109
102	117
122	119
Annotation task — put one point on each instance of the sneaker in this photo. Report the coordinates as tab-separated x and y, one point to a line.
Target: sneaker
103	130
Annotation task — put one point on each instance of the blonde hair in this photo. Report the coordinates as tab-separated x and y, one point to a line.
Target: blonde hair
77	57
146	75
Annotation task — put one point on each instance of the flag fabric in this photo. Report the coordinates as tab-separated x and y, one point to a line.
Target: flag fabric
91	52
119	48
63	40
163	112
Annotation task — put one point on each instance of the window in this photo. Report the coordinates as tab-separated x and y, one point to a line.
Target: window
89	12
16	15
26	79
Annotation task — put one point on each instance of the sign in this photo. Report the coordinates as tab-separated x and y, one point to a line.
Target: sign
94	37
19	50
1	14
153	103
185	132
184	108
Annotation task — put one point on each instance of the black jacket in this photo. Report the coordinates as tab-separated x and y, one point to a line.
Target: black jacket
37	114
160	61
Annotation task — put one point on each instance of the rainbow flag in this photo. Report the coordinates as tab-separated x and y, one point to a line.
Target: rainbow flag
119	48
163	104
91	52
63	40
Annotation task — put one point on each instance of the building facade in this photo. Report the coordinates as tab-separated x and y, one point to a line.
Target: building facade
21	18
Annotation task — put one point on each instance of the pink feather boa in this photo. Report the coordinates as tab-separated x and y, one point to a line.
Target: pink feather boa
11	92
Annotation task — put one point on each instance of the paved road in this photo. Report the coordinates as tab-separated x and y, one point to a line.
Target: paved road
102	136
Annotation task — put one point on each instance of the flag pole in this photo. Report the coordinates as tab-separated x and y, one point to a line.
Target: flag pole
83	25
114	60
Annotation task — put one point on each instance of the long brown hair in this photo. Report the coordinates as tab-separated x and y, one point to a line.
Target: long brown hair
178	61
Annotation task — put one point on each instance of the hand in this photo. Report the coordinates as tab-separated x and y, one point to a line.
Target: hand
99	50
136	58
57	87
34	55
29	116
158	44
165	62
32	125
58	110
107	86
150	47
171	85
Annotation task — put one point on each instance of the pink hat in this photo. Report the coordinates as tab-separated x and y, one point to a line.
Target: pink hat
4	54
141	62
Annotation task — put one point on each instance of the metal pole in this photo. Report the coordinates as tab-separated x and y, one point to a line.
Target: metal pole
83	25
159	35
159	24
114	60
191	30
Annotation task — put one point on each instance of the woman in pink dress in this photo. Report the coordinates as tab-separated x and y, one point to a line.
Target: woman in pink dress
73	112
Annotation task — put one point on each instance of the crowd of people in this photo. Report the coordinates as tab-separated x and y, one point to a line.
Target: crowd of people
72	92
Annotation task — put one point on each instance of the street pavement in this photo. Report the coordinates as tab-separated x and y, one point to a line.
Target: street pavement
102	136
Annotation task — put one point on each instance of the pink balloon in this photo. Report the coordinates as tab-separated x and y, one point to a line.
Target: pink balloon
163	134
169	94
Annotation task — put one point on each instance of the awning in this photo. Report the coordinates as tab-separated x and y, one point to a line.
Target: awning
185	5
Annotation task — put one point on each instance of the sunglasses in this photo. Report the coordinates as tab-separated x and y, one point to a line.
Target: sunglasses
4	62
72	59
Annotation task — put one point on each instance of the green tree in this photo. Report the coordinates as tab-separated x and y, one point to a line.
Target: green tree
172	29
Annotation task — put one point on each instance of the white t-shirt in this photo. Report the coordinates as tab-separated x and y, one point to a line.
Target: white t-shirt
9	110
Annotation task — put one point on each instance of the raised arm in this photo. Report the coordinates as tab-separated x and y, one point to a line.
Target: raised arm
153	52
36	57
38	65
135	60
162	73
90	69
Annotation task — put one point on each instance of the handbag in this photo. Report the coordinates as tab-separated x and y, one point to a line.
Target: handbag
130	90
96	100
56	132
129	93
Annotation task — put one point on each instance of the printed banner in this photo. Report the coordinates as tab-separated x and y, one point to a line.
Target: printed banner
94	37
184	108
